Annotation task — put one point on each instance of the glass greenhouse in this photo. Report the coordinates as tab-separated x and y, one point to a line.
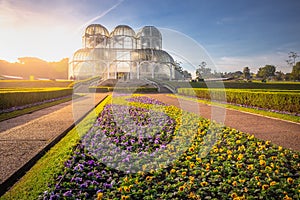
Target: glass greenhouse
121	54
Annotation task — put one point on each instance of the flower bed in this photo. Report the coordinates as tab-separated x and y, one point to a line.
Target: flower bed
191	158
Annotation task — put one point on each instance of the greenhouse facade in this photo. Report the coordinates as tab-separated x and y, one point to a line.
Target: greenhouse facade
121	54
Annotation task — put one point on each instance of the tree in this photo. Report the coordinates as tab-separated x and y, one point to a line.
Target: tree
279	76
246	73
292	58
186	74
266	71
203	71
296	72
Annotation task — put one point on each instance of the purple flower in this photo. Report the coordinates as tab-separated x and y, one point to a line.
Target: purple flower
68	194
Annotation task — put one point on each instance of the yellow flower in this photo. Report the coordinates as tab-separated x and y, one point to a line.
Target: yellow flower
149	178
286	197
229	157
204	183
261	157
215	171
256	178
229	152
238	142
172	171
273	183
245	189
199	159
242	180
192	195
268	142
274	158
265	187
181	188
295	156
191	149
126	189
234	183
192	165
280	148
250	167
240	157
268	168
124	197
262	162
99	195
188	158
290	180
250	137
234	195
258	183
239	165
183	173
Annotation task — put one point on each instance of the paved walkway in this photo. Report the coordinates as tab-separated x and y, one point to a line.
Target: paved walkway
284	133
23	137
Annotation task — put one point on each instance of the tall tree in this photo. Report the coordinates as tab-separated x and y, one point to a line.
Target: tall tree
203	71
246	73
266	71
296	72
292	58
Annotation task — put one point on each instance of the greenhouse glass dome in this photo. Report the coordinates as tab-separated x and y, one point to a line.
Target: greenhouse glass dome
121	54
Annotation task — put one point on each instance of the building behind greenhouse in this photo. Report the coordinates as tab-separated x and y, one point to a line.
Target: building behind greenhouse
121	54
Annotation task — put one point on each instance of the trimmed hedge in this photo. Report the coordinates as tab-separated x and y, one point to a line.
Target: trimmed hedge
122	89
281	101
13	98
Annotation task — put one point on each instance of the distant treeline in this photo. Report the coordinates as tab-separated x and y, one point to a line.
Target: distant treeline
30	66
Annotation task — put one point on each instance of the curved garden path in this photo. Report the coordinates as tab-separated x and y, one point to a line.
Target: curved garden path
24	137
280	132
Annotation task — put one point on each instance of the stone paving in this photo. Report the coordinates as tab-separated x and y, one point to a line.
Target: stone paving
23	137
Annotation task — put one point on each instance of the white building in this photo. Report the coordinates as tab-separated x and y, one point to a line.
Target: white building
121	54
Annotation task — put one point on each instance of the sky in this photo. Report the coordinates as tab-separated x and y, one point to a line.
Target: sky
229	34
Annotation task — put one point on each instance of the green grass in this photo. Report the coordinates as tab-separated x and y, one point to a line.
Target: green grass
250	110
5	116
41	174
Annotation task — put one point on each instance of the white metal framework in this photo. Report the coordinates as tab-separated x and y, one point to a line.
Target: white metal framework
121	54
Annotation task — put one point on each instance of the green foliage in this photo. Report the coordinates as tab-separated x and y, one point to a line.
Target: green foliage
266	71
18	97
296	71
282	101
